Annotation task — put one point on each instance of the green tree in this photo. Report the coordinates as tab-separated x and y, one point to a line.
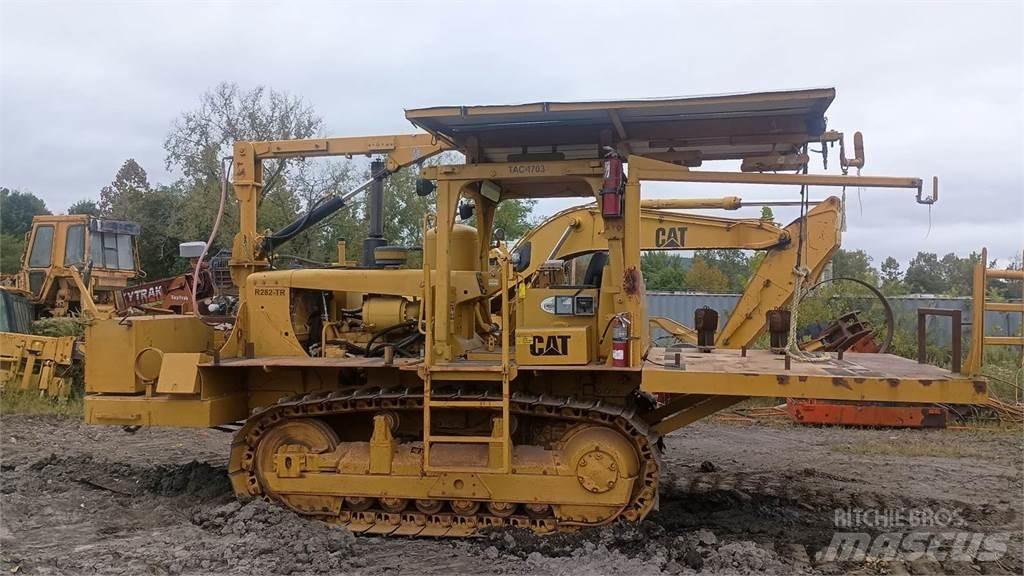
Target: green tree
767	214
925	275
16	212
404	209
125	194
959	273
663	271
17	209
734	265
200	138
754	262
12	247
85	206
314	180
854	264
703	277
515	217
892	278
131	197
671	279
161	223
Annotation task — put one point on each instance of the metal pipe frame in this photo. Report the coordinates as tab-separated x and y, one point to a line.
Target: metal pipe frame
922	317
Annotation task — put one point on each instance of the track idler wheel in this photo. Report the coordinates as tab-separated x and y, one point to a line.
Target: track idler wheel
601	459
299	436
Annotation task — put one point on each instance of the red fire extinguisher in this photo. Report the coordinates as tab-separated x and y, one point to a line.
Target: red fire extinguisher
613	187
620	342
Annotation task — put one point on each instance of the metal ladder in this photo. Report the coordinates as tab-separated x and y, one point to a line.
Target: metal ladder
499	442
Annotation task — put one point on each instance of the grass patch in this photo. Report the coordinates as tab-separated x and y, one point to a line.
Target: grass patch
31	402
909	448
1004	379
65	326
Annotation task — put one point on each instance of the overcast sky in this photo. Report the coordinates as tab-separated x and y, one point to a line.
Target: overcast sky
935	87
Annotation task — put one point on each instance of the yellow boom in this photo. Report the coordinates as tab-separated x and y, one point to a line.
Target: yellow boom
580	230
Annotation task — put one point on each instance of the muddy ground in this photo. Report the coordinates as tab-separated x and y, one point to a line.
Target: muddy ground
738	498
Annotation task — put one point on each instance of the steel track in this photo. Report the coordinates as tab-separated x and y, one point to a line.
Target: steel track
560	409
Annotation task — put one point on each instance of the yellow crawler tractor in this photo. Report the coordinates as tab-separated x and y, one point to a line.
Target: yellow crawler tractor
72	263
76	263
457	395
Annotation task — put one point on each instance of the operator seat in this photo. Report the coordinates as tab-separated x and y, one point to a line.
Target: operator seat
595	269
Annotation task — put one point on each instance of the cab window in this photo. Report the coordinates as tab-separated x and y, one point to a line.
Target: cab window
125	255
42	245
74	245
112	251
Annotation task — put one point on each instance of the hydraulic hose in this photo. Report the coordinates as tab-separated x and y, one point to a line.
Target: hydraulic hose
369	345
213	233
322	208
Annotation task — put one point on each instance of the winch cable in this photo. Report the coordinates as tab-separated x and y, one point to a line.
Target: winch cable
800	275
842	204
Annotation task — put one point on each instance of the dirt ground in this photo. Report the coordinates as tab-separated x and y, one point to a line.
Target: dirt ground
737	499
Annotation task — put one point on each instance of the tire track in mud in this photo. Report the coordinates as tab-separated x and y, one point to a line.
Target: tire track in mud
745	523
120	518
90	510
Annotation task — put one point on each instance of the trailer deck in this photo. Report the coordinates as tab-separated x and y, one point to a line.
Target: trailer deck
856	376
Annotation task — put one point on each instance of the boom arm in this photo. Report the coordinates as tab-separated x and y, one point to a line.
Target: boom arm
578	230
773	283
250	248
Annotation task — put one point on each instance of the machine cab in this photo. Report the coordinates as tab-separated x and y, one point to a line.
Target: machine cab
102	252
557	318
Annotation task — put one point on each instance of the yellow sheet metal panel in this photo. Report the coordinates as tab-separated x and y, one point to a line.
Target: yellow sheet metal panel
179	373
703	128
115	344
164	411
553	346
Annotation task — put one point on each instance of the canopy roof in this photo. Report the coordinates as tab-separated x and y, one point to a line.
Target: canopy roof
693	129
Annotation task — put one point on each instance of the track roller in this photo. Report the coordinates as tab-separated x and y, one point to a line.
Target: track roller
465	507
429	506
393	505
501	509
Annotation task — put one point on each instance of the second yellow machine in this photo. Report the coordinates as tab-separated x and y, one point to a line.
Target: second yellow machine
460	394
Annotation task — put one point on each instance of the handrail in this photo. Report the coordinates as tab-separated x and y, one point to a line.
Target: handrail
979	305
504	267
502	256
427	309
